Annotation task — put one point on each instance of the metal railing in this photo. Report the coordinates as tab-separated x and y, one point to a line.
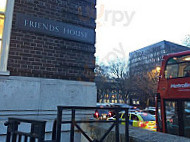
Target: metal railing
75	123
37	131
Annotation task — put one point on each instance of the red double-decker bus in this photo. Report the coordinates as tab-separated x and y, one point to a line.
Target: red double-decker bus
173	97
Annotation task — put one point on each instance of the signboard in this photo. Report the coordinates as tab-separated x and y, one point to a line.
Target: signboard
54	28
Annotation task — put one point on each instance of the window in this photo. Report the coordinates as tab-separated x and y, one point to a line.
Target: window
6	13
2	19
171	71
123	117
147	117
187	71
134	117
178	67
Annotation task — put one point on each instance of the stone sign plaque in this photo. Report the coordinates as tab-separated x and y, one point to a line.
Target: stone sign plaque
54	28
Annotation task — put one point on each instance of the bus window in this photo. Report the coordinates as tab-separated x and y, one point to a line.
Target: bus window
172	125
178	67
186	118
171	71
187	71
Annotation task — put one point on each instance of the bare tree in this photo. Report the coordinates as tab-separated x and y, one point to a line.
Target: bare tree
114	74
101	77
145	85
118	71
186	41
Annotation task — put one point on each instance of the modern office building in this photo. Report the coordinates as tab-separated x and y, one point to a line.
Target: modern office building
148	58
47	57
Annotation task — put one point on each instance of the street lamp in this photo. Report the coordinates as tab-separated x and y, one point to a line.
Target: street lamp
158	69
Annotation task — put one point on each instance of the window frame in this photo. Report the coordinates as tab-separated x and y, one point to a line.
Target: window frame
6	37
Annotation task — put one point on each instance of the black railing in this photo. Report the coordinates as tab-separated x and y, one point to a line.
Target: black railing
36	134
37	131
74	123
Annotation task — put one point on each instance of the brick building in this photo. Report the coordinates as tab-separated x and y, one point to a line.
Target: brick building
47	56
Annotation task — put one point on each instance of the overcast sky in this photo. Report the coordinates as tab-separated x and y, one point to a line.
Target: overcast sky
127	25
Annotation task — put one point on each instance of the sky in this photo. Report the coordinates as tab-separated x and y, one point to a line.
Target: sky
127	25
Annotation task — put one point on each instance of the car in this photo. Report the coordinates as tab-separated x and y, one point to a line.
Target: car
139	119
150	110
134	109
102	114
130	108
118	105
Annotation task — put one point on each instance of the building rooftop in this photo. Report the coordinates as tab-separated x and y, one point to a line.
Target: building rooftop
157	45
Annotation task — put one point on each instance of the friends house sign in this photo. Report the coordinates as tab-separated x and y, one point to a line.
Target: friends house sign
54	28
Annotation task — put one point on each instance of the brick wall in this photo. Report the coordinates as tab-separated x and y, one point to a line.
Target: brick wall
38	55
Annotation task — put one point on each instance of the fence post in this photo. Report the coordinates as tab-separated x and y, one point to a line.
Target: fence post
13	127
126	125
59	121
72	126
38	129
117	126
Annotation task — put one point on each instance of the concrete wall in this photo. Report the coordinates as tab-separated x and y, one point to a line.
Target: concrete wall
37	98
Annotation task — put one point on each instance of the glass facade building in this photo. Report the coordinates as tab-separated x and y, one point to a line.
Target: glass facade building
148	58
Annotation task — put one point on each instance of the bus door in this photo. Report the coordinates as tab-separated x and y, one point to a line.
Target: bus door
186	117
177	117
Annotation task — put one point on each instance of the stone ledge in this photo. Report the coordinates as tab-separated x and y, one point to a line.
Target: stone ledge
46	80
136	134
